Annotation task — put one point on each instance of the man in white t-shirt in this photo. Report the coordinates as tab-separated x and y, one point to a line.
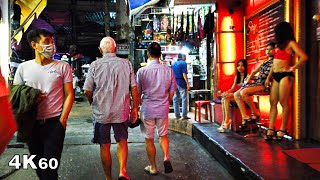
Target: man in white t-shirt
7	123
54	79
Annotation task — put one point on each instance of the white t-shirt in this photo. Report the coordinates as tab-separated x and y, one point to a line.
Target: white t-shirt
3	86
50	80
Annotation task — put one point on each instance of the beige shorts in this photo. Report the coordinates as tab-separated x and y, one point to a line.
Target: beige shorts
149	125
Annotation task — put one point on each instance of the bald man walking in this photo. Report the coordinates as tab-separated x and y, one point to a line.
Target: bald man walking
107	88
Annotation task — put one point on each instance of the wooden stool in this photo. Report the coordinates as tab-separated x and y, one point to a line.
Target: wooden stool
198	105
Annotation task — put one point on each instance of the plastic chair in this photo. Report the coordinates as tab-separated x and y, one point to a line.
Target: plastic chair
198	105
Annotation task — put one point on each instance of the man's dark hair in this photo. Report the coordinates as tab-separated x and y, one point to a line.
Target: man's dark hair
154	49
180	56
34	35
272	44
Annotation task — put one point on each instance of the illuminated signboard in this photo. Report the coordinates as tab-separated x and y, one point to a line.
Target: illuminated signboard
260	30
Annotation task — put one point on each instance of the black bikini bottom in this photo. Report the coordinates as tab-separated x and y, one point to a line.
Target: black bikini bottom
279	75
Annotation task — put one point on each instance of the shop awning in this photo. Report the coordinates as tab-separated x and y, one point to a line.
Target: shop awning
136	6
30	9
191	2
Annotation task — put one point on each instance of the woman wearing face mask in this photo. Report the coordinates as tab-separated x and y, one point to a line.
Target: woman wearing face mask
54	79
228	95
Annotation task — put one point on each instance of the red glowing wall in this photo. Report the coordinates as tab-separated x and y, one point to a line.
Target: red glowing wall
230	43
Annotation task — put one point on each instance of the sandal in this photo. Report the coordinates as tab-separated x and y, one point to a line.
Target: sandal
254	118
123	178
224	126
244	123
148	170
167	166
221	129
269	137
280	138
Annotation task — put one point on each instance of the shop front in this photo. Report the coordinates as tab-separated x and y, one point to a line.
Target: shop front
179	28
244	28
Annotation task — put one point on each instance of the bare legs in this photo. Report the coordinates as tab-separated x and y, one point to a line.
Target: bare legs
122	154
280	92
274	98
225	107
164	144
245	95
151	150
106	160
225	110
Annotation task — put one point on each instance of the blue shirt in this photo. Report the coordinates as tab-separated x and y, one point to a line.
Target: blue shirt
179	68
155	82
111	77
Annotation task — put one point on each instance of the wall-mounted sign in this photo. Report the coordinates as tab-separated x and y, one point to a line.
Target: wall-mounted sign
254	6
260	30
123	49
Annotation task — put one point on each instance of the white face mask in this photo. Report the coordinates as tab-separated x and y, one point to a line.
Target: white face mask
47	50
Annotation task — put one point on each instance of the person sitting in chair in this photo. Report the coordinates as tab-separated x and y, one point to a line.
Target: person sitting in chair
253	85
227	96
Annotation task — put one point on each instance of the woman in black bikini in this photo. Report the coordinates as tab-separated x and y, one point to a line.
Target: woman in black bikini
282	72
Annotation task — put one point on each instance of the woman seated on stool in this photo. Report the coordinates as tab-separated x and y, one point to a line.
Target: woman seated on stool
253	85
282	73
228	95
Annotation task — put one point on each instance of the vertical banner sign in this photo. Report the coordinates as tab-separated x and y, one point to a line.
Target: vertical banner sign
260	30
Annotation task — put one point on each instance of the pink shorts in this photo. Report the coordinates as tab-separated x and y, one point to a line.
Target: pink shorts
149	125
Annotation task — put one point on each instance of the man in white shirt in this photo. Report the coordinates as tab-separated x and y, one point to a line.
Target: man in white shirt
54	79
107	88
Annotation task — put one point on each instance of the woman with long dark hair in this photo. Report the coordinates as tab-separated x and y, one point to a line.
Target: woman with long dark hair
227	96
283	73
253	85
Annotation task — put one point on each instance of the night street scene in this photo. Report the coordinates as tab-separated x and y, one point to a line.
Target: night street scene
159	89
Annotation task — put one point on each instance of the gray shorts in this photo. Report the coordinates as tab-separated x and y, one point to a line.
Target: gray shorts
101	134
149	125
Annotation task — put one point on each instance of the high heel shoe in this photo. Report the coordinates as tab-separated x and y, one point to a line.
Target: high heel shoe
253	118
221	129
280	138
244	123
269	136
224	126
